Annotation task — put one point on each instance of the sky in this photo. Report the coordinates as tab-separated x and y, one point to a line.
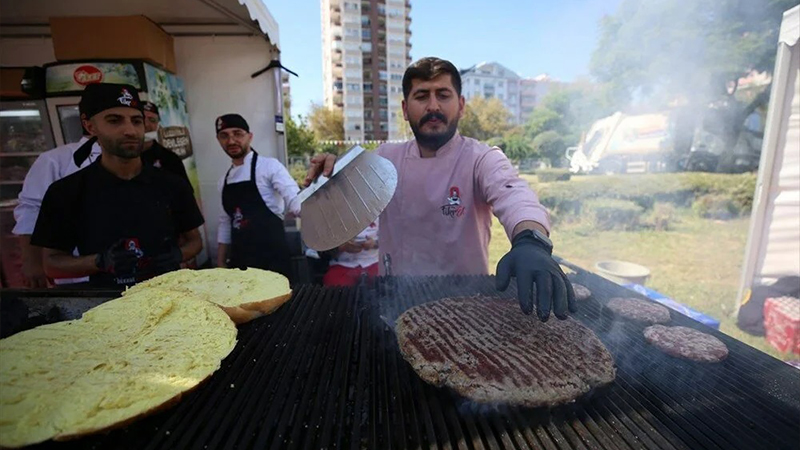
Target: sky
530	37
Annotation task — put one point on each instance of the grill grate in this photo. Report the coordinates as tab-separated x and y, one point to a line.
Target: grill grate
324	372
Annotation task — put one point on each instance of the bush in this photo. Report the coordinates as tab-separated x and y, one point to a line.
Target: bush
678	189
715	206
550	175
661	217
610	214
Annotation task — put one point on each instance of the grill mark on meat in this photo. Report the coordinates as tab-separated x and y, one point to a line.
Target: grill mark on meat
529	363
492	352
495	316
495	367
495	320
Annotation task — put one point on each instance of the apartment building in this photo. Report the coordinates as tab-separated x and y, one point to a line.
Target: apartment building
366	47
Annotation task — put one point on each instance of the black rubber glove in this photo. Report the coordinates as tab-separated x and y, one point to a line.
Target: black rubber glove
167	261
531	262
117	259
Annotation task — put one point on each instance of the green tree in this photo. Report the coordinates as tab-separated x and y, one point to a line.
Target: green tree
550	145
485	119
693	52
328	124
300	140
515	145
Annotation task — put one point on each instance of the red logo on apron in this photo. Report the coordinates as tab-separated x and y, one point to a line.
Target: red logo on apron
453	207
84	75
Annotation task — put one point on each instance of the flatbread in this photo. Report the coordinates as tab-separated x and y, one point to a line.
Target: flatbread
688	343
120	361
638	310
487	350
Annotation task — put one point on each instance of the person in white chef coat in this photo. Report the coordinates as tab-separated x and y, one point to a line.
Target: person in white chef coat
257	191
49	167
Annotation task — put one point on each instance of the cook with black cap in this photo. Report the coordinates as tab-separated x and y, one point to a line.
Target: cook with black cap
124	217
256	192
155	154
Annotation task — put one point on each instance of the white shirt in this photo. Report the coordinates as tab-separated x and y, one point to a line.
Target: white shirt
48	168
364	258
276	186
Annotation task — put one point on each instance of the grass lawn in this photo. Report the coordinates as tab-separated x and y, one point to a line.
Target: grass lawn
697	262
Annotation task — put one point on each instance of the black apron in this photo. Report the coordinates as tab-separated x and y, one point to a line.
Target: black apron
134	211
258	238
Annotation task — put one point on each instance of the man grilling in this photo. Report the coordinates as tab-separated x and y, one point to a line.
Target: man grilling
439	220
256	191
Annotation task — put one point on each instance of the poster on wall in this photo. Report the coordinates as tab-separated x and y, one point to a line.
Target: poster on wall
166	91
74	77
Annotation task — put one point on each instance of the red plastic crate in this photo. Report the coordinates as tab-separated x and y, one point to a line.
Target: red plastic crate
782	322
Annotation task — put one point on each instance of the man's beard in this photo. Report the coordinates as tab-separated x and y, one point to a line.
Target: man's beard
241	151
434	141
121	147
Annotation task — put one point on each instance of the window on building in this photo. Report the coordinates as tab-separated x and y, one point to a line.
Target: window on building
368	87
383	101
351	6
499	84
381	9
382	75
366	34
366	47
365	21
384	126
397	77
357	127
477	82
353	87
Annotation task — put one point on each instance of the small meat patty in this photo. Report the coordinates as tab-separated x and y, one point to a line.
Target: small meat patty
638	310
581	291
688	343
487	350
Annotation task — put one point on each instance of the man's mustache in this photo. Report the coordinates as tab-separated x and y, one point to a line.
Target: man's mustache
433	115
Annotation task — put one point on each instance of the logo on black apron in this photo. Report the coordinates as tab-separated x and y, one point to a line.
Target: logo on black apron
239	221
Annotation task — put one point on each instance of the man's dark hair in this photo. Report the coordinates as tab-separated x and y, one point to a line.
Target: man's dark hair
427	69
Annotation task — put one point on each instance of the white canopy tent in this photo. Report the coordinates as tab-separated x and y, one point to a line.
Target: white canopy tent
773	243
218	45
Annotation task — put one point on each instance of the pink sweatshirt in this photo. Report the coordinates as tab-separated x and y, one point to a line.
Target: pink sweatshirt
439	220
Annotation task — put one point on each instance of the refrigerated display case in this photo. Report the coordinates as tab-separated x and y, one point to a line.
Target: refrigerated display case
25	133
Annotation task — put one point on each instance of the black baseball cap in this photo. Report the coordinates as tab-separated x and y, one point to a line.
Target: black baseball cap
98	97
231	121
150	107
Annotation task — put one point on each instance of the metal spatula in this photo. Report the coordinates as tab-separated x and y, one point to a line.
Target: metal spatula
334	210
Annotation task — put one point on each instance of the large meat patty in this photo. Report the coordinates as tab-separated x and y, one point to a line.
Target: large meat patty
489	351
638	310
684	342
